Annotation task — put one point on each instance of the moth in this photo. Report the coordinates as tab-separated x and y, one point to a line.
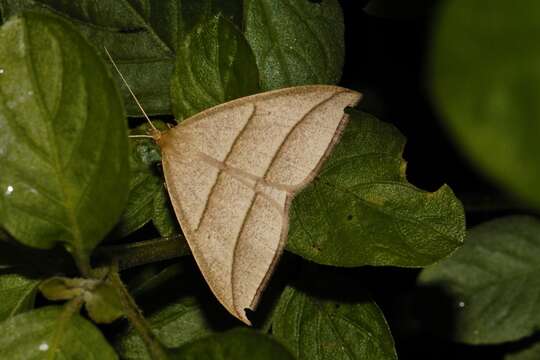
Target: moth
232	171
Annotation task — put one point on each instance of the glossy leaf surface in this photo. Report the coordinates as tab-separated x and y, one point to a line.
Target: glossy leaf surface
361	210
17	292
492	282
141	35
215	64
52	333
315	328
63	144
296	42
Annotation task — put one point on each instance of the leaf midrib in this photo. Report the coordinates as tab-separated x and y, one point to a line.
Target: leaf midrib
48	117
379	209
500	281
273	36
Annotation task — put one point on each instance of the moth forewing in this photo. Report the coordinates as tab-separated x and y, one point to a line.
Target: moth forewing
232	171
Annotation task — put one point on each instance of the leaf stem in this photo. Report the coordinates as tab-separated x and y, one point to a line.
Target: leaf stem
145	252
136	318
69	309
82	261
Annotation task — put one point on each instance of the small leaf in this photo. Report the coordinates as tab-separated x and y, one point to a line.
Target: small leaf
487	85
61	288
142	37
296	42
18	293
143	188
103	304
52	333
145	183
235	344
362	211
100	299
317	329
215	64
174	325
63	144
163	216
493	281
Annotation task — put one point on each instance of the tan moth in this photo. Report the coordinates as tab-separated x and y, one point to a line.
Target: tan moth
232	171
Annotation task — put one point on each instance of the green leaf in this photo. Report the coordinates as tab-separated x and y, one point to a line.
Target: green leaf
174	325
215	64
61	288
316	328
493	281
235	344
17	292
63	144
100	298
163	216
53	333
141	35
145	183
296	42
487	86
143	187
362	211
103	304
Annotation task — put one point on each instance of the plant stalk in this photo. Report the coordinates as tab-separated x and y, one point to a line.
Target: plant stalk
145	252
82	260
136	318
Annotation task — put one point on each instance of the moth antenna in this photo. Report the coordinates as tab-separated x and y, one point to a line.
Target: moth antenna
141	136
154	129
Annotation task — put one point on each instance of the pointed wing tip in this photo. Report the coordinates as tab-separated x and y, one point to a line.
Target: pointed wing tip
241	315
355	96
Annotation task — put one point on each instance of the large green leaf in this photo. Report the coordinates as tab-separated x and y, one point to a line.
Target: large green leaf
316	328
141	35
295	42
52	333
235	344
17	292
174	325
215	64
487	85
362	211
492	282
63	144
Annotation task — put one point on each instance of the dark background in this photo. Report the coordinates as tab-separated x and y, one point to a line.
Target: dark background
388	60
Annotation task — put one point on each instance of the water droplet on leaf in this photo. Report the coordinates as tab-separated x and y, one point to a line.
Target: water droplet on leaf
9	190
43	347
